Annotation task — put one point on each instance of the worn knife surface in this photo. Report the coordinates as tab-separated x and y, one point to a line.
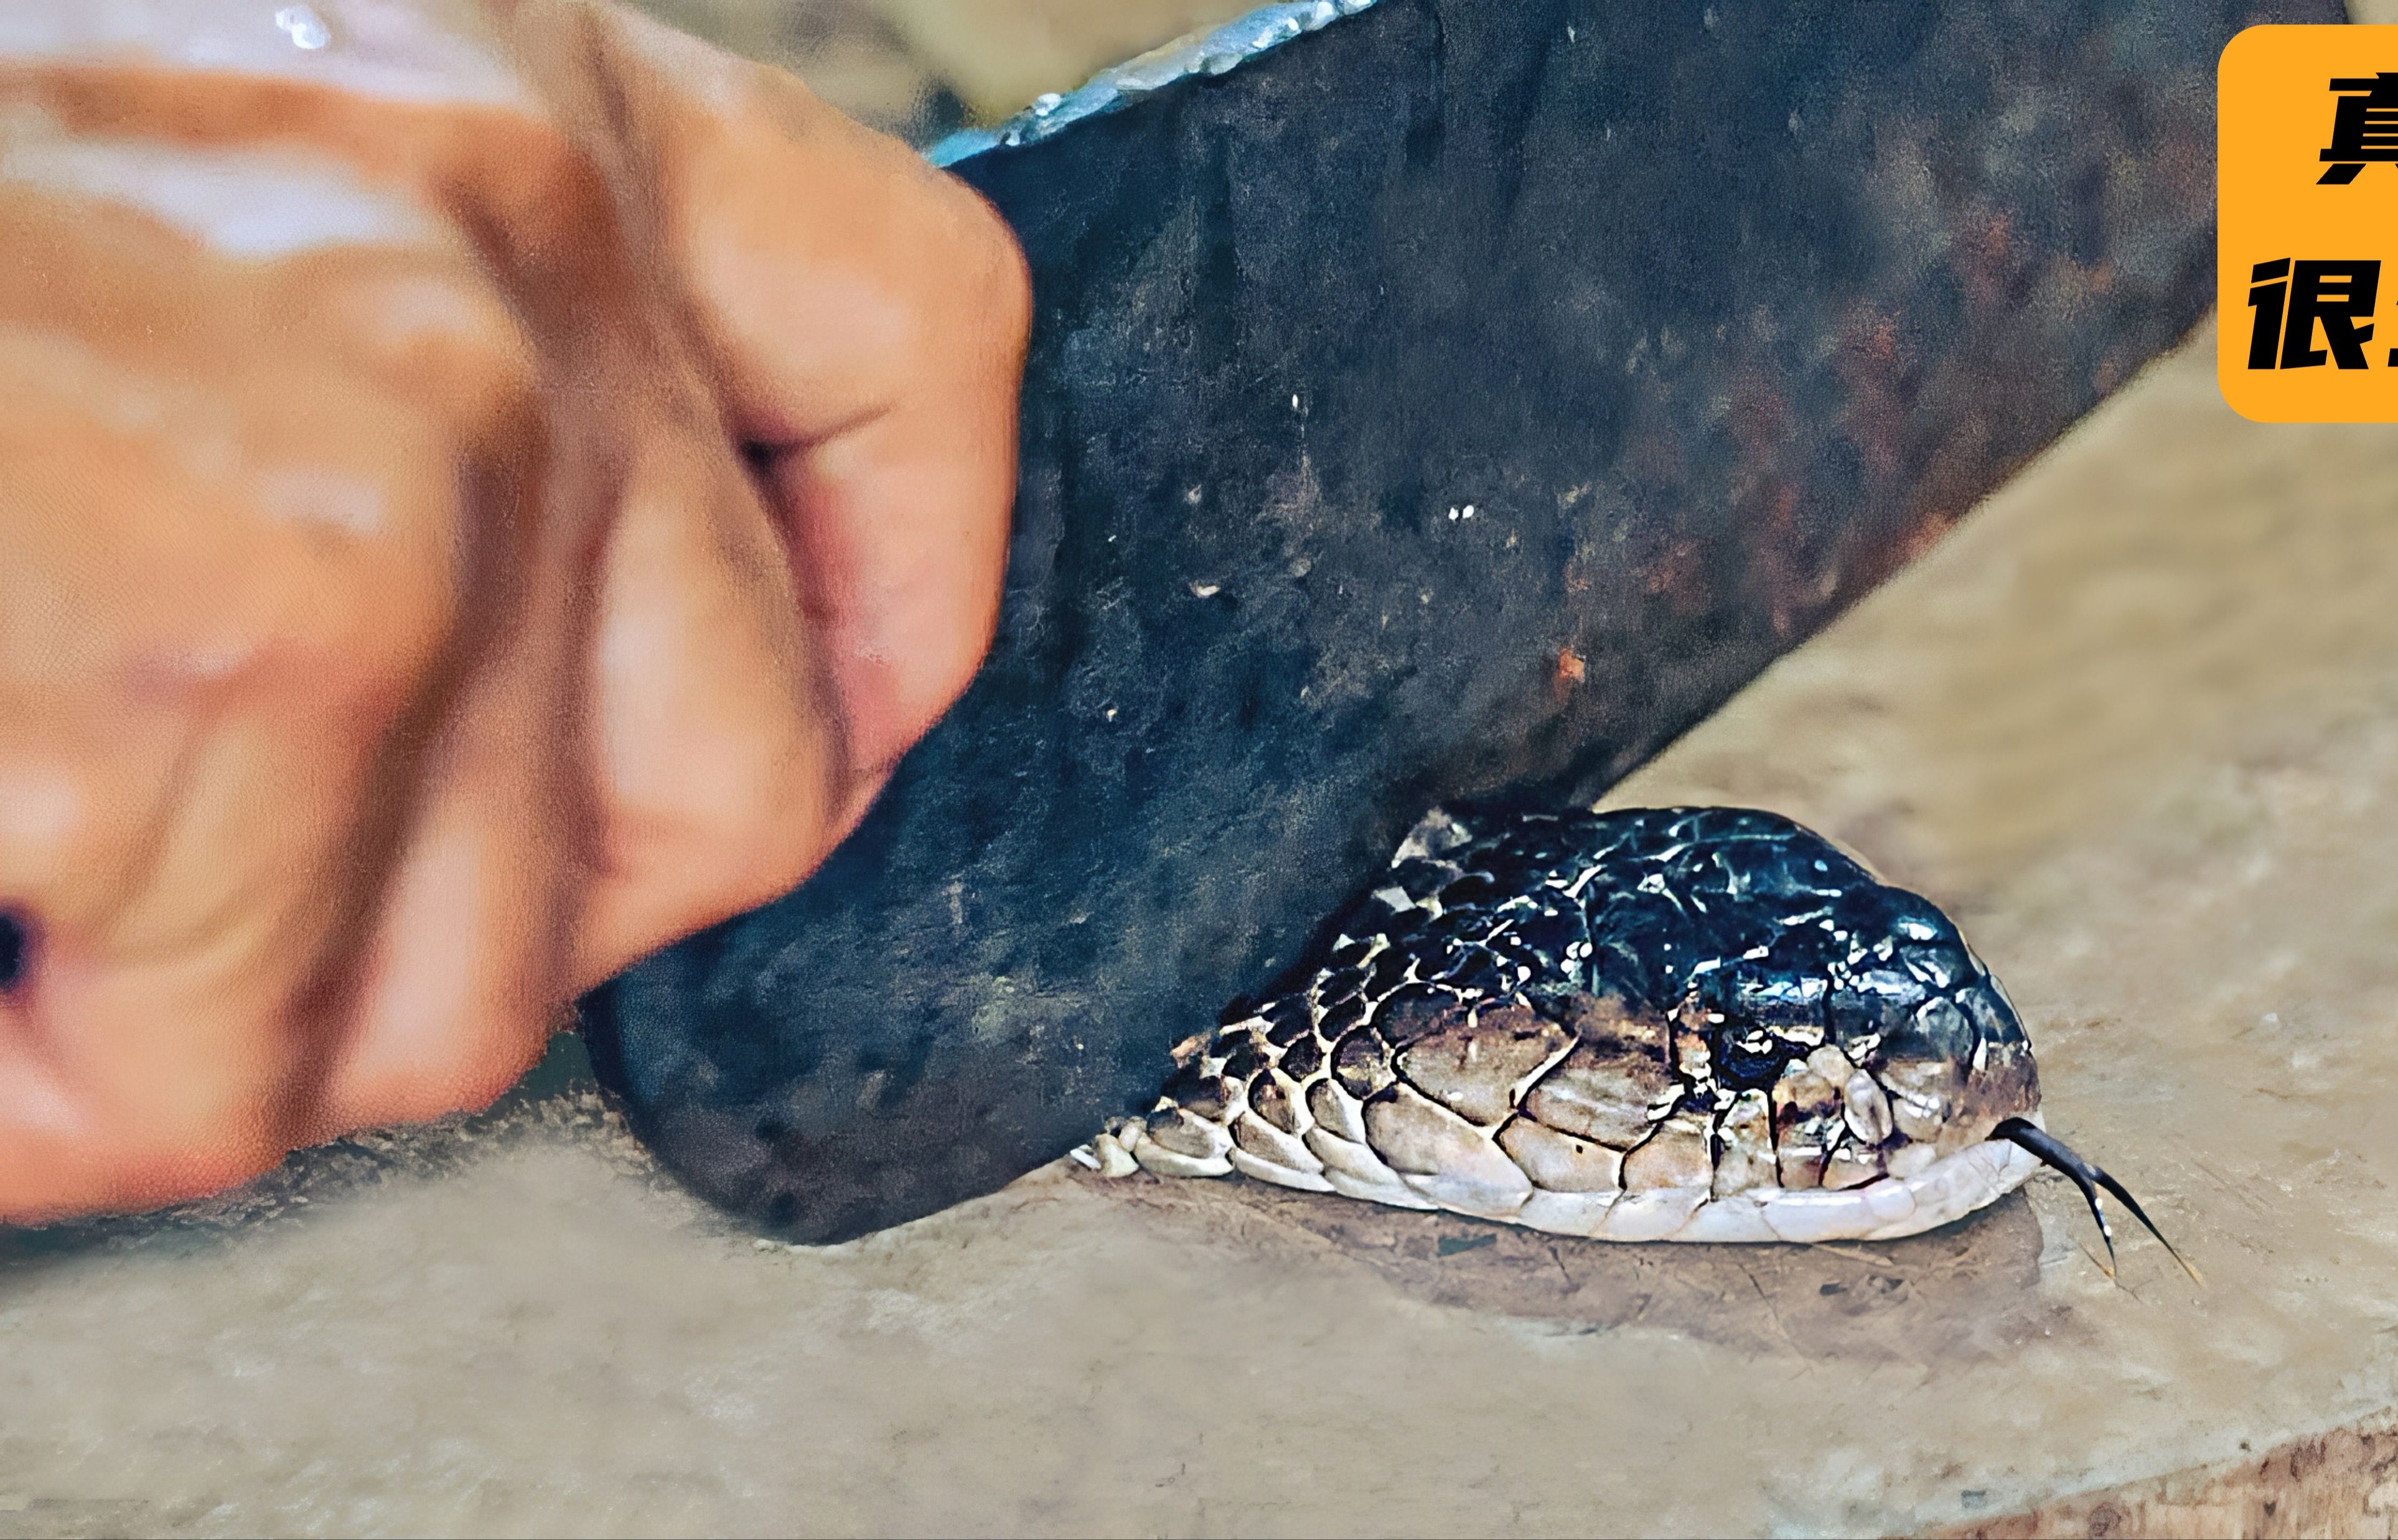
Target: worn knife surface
1460	399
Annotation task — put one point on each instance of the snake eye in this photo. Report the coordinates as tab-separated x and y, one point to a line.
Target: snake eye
15	950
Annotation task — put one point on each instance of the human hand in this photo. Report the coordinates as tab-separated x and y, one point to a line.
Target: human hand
483	492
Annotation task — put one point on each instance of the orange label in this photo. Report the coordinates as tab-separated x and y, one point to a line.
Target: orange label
2307	169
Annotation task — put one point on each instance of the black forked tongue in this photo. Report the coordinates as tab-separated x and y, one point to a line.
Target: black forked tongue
2052	1154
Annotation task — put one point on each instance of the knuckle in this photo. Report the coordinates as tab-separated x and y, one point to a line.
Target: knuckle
758	871
997	279
480	1075
764	827
202	1167
759	827
362	654
45	1182
130	1130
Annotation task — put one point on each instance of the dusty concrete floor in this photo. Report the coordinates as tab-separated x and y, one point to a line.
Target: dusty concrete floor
2135	723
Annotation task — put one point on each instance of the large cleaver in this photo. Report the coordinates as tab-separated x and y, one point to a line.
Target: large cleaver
1428	398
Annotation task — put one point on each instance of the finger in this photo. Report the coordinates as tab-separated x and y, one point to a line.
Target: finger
899	528
754	676
468	956
864	317
723	779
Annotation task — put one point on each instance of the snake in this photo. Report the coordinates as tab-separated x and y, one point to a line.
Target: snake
1638	1025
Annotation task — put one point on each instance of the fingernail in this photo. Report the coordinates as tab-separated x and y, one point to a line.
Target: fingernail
16	949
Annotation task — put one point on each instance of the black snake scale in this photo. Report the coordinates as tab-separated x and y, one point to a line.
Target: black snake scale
1657	1023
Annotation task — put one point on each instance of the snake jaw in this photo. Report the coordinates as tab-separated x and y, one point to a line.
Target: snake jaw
1113	1153
2053	1153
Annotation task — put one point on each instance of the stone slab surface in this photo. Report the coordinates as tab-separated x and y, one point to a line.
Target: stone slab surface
2343	1483
2135	722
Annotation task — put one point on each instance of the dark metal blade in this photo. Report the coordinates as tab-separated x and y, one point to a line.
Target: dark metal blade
1464	398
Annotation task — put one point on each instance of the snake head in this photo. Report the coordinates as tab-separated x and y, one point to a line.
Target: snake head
1644	1024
